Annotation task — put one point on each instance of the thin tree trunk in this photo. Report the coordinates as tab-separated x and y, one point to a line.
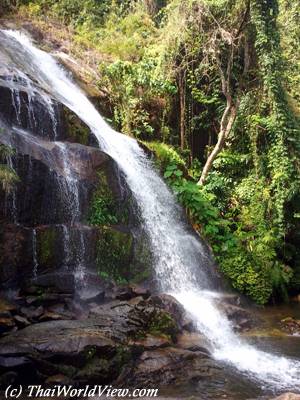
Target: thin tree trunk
182	110
227	122
228	116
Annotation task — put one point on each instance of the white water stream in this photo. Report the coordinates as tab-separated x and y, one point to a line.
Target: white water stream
179	259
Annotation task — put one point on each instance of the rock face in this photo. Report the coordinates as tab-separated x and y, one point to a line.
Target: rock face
44	221
131	342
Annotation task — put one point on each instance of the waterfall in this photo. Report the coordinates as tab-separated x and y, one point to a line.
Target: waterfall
11	198
70	184
179	259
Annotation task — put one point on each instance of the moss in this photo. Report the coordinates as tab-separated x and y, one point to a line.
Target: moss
90	352
122	357
96	368
162	324
105	208
159	323
67	370
46	246
164	154
102	368
141	266
77	131
114	255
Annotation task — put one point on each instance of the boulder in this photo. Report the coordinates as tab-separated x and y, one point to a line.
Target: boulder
193	341
114	341
172	366
170	304
131	291
240	318
291	326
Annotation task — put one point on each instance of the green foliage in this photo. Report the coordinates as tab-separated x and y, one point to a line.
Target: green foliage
114	255
8	177
136	94
244	247
74	12
103	211
161	323
104	208
166	154
46	246
78	131
289	27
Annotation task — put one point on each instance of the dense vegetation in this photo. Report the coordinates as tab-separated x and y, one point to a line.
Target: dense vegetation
212	88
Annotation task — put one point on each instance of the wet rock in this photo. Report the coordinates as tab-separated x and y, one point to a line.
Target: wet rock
84	160
151	342
13	362
131	291
62	281
92	295
5	314
170	365
229	298
291	326
30	290
63	309
15	252
47	298
193	342
51	316
63	337
95	348
240	318
173	307
32	312
6	306
6	325
34	108
21	322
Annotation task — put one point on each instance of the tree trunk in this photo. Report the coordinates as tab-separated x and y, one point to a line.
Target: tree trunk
182	110
227	122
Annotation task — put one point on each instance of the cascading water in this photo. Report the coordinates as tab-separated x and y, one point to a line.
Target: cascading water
11	199
177	254
71	193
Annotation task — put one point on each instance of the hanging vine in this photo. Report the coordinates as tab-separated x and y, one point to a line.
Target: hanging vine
278	118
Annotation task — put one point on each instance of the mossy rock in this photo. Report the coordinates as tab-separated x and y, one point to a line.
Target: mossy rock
77	131
106	208
114	254
141	267
48	247
101	368
162	323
